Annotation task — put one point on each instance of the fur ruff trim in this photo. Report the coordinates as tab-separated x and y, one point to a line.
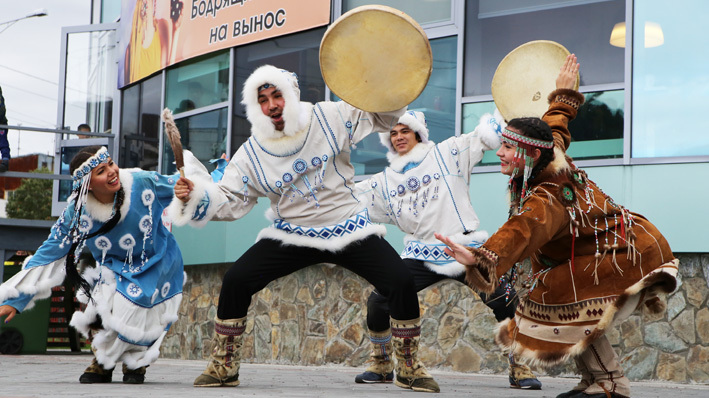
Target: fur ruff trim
332	245
452	269
287	83
102	211
661	280
561	163
37	281
482	274
416	154
283	145
122	318
416	122
489	129
181	213
573	94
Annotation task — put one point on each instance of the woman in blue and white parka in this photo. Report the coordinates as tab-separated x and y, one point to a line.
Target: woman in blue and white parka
133	295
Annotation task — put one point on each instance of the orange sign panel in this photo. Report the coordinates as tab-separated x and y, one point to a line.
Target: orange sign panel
155	34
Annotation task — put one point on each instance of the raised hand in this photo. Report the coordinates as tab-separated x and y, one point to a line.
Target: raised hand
456	250
568	72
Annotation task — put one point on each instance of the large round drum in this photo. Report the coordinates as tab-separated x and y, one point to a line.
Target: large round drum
376	58
526	76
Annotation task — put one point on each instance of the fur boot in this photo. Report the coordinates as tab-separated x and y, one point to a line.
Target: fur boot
381	369
223	367
133	376
95	373
410	372
521	375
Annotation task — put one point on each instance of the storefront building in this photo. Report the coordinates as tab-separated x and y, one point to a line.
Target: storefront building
642	73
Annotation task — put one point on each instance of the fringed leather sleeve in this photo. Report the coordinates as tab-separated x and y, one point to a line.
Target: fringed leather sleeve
563	106
482	275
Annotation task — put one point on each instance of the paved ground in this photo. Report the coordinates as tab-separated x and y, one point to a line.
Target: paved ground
58	375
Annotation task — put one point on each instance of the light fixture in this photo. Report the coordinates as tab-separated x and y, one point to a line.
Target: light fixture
42	12
653	35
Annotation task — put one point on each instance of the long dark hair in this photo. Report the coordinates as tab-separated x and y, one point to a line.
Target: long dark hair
72	274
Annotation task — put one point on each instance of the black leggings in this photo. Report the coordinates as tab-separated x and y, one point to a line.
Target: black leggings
378	307
371	258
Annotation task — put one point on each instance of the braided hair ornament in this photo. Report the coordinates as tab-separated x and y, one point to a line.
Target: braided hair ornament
524	146
79	226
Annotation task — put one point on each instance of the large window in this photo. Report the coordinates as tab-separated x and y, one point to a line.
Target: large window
197	92
437	102
596	133
140	123
670	80
204	134
423	12
494	28
198	83
87	98
297	53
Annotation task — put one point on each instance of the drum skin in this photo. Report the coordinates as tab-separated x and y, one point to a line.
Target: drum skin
376	58
526	76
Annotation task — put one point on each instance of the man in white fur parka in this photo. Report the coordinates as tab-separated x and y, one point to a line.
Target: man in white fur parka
298	156
425	190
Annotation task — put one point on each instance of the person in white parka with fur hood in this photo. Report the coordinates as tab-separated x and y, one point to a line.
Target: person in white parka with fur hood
425	190
298	156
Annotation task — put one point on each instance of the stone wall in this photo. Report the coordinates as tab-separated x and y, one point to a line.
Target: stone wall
316	316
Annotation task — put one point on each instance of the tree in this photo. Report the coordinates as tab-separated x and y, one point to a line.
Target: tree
32	200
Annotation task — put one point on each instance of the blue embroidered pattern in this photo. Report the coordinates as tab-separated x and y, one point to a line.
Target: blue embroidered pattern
413	184
201	211
431	253
300	166
356	222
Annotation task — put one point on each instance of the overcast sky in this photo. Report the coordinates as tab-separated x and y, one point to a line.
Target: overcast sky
29	67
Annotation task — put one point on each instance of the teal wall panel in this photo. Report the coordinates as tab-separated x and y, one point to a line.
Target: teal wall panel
672	196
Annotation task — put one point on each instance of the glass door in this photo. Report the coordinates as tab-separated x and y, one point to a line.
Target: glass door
87	88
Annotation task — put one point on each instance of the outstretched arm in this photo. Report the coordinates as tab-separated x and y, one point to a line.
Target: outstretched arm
564	102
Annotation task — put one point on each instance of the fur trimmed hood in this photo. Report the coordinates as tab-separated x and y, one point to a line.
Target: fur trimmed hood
416	154
287	83
281	144
416	121
102	211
